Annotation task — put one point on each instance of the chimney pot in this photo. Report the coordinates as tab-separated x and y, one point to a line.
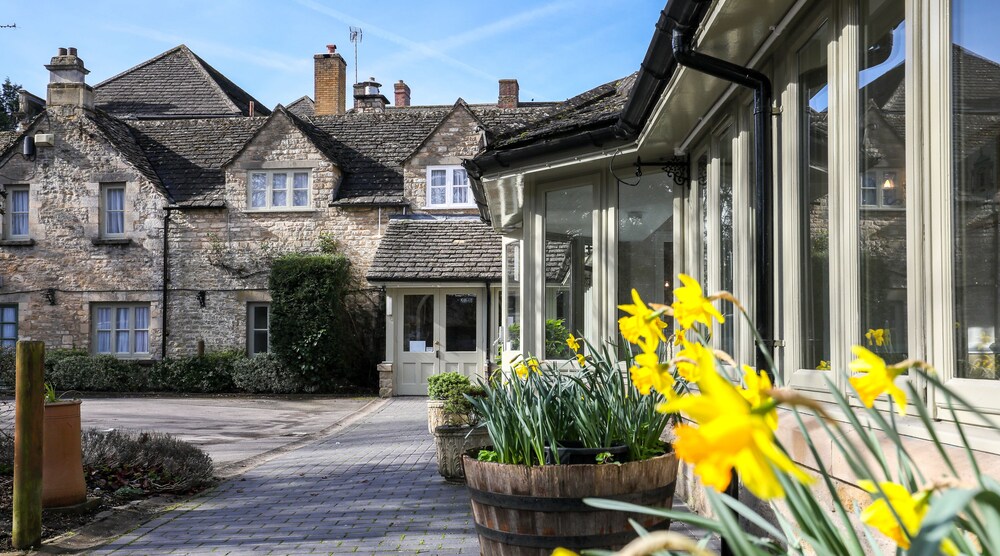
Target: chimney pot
72	51
402	94
331	48
509	92
62	51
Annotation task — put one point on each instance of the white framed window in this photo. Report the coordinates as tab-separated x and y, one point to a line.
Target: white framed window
258	328
448	187
15	224
279	190
121	330
112	220
8	325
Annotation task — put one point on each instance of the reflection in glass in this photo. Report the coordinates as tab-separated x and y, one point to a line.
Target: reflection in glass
726	337
460	322
882	217
975	59
512	287
703	212
569	253
645	240
814	195
418	323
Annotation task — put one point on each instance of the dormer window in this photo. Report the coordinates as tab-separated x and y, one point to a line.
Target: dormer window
448	187
279	190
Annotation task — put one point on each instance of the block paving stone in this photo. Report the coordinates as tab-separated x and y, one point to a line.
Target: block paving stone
372	488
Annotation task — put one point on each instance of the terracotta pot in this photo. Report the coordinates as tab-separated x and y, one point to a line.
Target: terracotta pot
62	457
452	442
529	511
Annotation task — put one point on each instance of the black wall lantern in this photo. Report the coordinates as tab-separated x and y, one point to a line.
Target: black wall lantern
201	298
50	296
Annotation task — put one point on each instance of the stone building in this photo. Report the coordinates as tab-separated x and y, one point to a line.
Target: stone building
140	214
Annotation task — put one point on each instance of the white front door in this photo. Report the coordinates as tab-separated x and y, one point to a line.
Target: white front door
439	331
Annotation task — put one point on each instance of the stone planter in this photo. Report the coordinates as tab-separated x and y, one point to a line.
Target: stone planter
435	415
452	442
62	456
529	511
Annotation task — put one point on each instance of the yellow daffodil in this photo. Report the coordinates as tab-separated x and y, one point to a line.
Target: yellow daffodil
824	365
581	360
573	343
533	364
643	327
877	336
563	552
649	372
731	433
521	370
690	304
877	378
524	367
911	509
757	393
693	359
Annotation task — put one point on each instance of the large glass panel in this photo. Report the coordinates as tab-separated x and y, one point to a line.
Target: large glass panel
279	190
142	330
975	59
460	322
258	329
726	333
300	189
121	330
512	286
418	323
814	195
882	217
104	330
114	211
258	190
460	187
645	239
569	252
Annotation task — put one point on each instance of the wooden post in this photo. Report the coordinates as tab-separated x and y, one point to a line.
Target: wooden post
29	414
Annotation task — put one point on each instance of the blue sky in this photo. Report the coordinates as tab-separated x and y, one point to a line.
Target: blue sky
442	49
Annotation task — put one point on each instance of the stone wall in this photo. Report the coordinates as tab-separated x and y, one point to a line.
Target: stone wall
64	204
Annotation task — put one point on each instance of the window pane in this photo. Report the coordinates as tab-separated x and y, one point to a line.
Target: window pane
512	285
104	318
460	195
976	186
459	176
300	180
121	341
141	318
8	314
438	195
882	134
8	332
258	190
259	342
19	212
279	193
104	342
569	251
460	322
300	189
114	211
726	338
418	323
279	198
260	317
116	198
645	240
141	341
814	192
439	178
121	318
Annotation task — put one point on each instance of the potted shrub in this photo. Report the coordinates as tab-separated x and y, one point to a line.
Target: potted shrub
440	388
558	438
459	432
62	461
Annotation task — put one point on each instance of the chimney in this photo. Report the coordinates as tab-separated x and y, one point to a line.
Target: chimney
509	92
402	94
367	97
330	82
67	86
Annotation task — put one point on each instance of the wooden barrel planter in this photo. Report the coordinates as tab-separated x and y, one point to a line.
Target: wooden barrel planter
529	511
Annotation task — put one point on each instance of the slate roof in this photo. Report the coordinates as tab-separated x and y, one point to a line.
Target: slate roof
303	107
446	249
7	139
188	154
593	109
119	134
175	84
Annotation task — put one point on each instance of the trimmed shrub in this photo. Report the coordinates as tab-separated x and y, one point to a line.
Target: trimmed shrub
151	461
447	385
210	373
100	373
317	330
264	374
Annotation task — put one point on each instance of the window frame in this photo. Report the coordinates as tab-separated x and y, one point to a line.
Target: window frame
252	328
8	217
105	214
114	307
16	323
289	190
449	188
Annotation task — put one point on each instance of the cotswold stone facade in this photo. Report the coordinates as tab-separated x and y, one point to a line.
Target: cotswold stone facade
195	251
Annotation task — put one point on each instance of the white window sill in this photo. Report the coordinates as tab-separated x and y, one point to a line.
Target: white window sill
450	207
279	210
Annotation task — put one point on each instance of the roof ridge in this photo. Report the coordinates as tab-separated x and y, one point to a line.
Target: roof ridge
140	65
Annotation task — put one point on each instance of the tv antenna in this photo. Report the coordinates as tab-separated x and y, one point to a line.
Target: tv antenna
11	26
356	36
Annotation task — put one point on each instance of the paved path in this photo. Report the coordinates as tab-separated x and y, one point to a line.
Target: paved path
372	489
